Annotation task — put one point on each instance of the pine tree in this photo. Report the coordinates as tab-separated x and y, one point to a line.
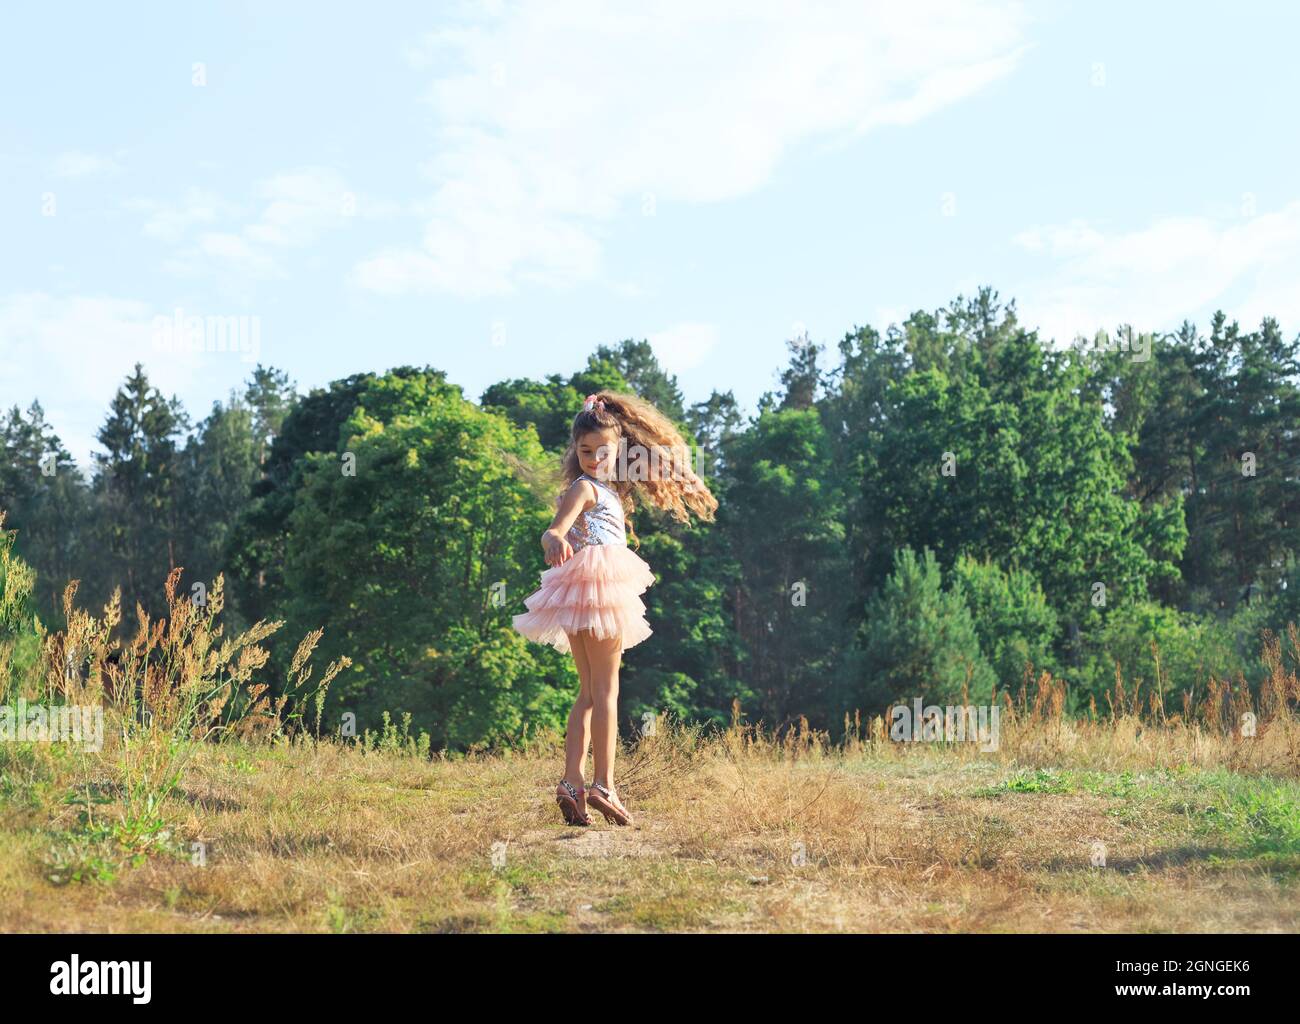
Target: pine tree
137	489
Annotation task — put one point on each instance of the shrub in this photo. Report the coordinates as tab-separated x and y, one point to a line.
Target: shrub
19	630
920	640
1013	621
1163	649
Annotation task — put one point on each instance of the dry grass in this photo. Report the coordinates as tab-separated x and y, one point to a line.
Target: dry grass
213	807
738	833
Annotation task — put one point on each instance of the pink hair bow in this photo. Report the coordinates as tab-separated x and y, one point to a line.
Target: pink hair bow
592	402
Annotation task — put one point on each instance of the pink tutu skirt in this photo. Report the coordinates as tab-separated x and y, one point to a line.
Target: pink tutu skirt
598	589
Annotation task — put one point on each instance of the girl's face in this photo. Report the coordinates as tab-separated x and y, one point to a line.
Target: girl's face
597	451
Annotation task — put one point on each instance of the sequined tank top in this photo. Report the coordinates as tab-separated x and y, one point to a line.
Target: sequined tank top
603	522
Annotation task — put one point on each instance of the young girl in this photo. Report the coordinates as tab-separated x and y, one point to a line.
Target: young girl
588	601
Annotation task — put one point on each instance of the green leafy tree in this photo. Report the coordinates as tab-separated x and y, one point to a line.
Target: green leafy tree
801	379
47	502
1245	508
20	630
1015	625
413	542
783	517
918	640
221	466
1013	462
688	668
269	396
633	364
1167	652
714	423
1216	427
547	406
255	551
137	487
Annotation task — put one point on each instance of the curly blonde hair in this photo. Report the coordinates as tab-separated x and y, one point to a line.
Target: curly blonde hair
654	457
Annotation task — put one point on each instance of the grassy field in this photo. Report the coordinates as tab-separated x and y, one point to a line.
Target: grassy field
211	806
1199	832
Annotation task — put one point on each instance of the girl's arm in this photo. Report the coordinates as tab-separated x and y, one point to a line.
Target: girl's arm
580	496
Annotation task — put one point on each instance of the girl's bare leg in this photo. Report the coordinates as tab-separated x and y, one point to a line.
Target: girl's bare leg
579	728
603	658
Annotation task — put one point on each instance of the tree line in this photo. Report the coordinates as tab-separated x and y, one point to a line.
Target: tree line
949	506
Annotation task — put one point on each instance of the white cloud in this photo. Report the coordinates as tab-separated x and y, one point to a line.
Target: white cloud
301	206
1156	276
170	221
75	164
683	347
555	119
1061	240
395	271
237	252
294	210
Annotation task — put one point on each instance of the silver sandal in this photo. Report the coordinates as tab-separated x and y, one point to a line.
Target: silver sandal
602	800
568	802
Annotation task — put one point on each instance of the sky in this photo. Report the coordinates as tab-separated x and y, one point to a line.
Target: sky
495	189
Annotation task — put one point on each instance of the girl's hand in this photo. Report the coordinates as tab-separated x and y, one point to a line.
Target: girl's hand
581	495
557	548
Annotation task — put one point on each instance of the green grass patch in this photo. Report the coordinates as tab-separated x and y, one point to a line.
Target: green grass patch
100	850
1037	780
1258	816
